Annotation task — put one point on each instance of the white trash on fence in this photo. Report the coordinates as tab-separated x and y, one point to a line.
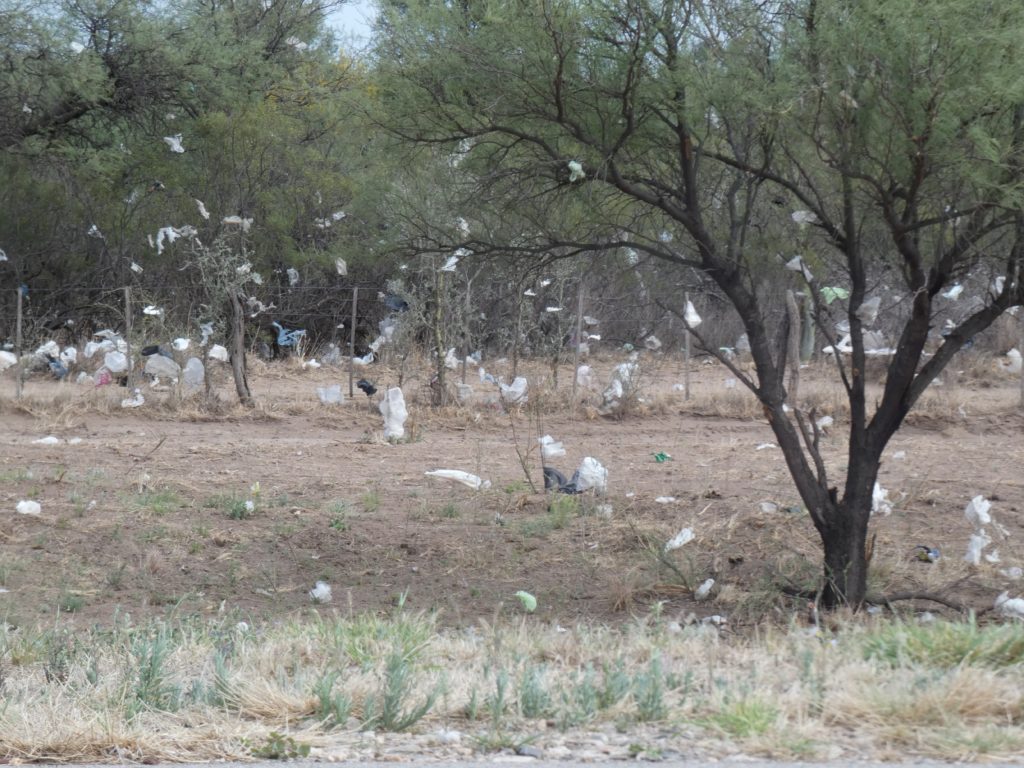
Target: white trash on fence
466	478
330	395
393	409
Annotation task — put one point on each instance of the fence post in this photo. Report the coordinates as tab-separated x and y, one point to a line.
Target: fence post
352	341
686	351
128	334
17	349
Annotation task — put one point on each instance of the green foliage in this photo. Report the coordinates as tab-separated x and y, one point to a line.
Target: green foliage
277	746
390	709
332	708
946	645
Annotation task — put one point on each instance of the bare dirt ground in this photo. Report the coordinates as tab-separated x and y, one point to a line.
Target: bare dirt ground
146	514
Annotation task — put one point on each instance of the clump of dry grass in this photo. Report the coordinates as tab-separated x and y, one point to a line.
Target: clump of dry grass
191	690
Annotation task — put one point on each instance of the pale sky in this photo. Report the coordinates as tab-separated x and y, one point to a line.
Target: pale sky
353	21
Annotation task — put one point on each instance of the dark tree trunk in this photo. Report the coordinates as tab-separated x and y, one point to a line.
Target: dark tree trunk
844	538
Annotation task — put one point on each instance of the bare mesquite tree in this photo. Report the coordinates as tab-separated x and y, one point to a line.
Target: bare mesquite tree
884	137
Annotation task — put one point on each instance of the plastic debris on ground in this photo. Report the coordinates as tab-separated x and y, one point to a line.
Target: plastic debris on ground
867	312
702	592
765	446
824	423
330	395
926	554
583	377
661	457
457	475
217	352
977	511
137	399
7	359
690	316
516	392
1011	608
28	507
193	375
463	393
769	506
181	344
451	360
625	377
115	362
653	343
685	536
158	365
311	363
665	500
556	481
321	592
976	545
880	503
393	409
48	440
1013	574
549	448
1011	362
591	474
528	601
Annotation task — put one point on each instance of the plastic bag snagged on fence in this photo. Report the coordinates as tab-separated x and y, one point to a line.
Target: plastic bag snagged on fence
158	365
330	395
194	375
393	409
514	393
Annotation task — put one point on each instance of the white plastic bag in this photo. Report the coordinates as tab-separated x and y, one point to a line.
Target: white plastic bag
115	362
393	409
193	375
515	393
28	507
583	377
549	448
466	478
217	352
330	395
691	316
158	365
880	504
976	511
975	545
591	474
683	537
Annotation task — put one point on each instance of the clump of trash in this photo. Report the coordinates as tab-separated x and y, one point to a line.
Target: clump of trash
623	384
457	475
393	409
321	592
330	395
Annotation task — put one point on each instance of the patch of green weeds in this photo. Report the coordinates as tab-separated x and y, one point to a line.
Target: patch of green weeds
277	746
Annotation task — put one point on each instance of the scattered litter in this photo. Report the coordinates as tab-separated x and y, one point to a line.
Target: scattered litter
194	375
158	365
796	264
181	344
451	360
880	503
293	276
803	218
393	409
28	507
576	172
665	500
766	447
683	537
992	557
769	506
1011	362
552	309
954	292
661	457
174	143
206	329
583	377
1014	574
926	554
250	506
715	620
529	292
704	589
153	311
467	479
202	209
341	267
1012	608
549	448
588	320
678	387
311	363
514	393
217	352
446	736
832	292
330	395
134	401
730	383
363	361
528	601
976	512
690	316
868	311
975	545
824	423
115	362
450	264
7	359
653	343
591	474
900	455
48	440
321	592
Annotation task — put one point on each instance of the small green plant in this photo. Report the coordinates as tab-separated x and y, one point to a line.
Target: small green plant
115	576
333	709
69	602
370	501
946	644
397	685
449	511
277	746
241	509
148	683
534	697
159	502
649	692
746	717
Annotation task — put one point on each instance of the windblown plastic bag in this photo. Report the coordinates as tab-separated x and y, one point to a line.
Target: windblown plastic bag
393	409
